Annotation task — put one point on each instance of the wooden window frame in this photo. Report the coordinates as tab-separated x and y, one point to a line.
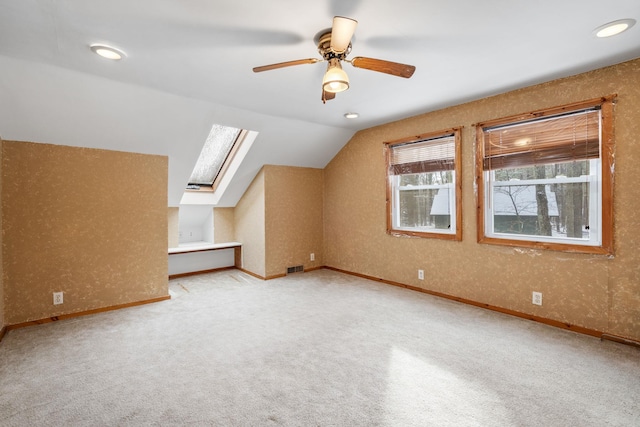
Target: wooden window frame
606	104
457	168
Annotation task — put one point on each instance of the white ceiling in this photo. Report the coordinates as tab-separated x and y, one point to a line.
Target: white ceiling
189	64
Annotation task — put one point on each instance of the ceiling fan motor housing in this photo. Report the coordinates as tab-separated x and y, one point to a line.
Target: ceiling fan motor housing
324	48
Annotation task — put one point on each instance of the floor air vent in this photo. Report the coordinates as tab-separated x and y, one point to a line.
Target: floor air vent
296	269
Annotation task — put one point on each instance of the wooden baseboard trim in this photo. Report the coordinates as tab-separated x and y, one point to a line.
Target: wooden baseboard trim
621	340
3	332
544	320
275	276
85	313
195	273
252	274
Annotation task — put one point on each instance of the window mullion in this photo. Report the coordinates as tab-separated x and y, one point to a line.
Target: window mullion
396	201
595	201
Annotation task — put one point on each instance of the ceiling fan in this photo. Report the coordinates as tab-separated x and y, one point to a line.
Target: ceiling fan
334	45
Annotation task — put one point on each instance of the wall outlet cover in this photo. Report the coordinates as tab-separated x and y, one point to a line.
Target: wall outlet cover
58	298
536	298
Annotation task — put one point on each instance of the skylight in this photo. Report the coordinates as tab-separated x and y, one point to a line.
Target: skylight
216	150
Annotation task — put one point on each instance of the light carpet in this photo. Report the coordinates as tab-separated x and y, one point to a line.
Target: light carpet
311	349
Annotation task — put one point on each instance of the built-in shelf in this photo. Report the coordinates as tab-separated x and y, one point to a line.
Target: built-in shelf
202	257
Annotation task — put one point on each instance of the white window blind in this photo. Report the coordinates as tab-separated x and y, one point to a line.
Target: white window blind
431	155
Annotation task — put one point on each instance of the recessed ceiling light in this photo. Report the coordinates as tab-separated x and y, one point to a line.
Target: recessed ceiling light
351	115
108	51
614	28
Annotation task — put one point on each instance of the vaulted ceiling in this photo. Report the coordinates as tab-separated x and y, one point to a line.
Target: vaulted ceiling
189	65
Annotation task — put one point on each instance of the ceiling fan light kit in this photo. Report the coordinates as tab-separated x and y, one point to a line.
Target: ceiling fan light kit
335	79
334	45
342	32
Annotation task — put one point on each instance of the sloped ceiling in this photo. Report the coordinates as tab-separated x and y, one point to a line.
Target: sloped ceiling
189	64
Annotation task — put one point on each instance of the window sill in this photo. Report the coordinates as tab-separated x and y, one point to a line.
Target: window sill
562	247
423	234
199	190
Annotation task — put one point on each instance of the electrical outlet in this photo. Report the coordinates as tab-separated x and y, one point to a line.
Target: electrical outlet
536	298
420	274
313	256
58	298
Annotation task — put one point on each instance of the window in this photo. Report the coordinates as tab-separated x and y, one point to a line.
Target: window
545	179
423	186
217	152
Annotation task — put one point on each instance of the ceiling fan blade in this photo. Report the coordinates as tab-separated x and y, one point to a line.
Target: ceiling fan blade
342	32
388	67
285	64
327	96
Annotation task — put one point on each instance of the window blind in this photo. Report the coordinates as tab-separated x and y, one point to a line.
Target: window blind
571	137
431	155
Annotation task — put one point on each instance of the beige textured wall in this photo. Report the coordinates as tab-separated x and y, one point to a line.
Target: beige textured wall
224	225
294	230
173	227
73	222
250	226
2	321
597	292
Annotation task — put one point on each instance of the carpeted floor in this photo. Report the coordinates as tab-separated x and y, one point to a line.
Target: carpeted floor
311	349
